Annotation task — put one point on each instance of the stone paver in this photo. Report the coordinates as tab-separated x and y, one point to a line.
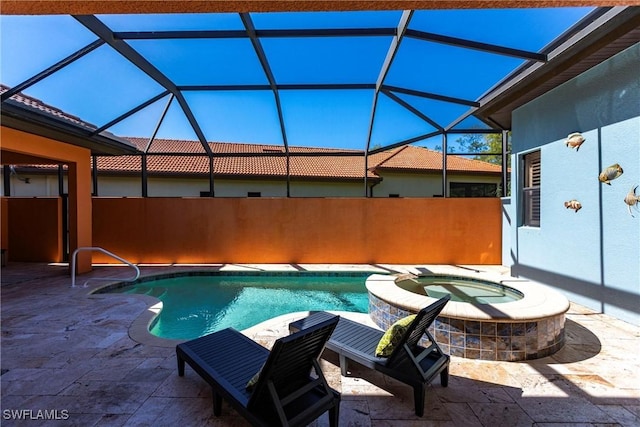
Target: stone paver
69	356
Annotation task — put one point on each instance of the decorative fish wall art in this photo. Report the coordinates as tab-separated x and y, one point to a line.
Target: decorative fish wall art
575	140
573	204
610	173
631	199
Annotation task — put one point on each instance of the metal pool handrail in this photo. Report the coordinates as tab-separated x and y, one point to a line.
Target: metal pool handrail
104	251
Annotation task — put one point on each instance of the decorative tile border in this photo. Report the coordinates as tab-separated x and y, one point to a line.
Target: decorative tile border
504	338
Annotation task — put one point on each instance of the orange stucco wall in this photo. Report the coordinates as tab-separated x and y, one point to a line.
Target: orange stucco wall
34	229
305	230
4	219
18	145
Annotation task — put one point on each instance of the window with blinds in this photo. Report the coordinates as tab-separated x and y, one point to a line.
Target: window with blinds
531	189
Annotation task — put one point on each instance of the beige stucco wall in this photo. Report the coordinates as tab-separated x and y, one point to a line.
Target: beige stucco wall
327	189
403	184
422	185
38	186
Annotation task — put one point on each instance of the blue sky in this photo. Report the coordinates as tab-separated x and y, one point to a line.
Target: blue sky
102	85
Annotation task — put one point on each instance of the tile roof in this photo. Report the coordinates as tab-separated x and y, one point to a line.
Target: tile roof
419	159
261	160
31	115
191	146
262	163
36	104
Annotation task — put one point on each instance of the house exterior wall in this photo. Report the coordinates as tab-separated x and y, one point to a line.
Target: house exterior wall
327	189
408	185
38	186
508	214
120	186
20	147
192	187
592	255
403	184
422	184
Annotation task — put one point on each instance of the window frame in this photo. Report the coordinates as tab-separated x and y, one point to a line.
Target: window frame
531	188
471	187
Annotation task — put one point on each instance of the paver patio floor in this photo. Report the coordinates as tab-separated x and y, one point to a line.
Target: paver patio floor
69	355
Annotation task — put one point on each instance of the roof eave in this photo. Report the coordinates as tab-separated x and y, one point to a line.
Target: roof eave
611	31
48	126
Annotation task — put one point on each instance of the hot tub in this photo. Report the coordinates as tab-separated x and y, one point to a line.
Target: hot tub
528	326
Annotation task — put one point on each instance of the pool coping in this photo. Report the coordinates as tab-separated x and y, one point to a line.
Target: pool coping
139	330
542	303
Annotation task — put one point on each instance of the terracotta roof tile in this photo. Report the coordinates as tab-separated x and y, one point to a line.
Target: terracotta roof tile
119	163
36	104
272	164
412	158
266	160
316	166
191	146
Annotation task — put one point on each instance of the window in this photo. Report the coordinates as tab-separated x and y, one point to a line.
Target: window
531	189
470	189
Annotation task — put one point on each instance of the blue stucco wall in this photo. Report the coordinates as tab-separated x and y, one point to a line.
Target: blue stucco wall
592	255
507	215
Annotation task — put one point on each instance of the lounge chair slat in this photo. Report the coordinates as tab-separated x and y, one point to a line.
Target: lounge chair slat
227	360
408	362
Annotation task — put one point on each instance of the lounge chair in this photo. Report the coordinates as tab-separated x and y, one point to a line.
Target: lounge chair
285	392
410	362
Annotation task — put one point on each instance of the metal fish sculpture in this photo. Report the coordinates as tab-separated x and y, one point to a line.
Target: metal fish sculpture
631	199
575	140
610	173
573	204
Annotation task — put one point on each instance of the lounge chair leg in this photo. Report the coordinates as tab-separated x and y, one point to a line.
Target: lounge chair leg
444	377
343	365
418	399
334	415
180	366
217	403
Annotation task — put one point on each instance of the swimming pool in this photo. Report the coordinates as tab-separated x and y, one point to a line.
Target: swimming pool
195	305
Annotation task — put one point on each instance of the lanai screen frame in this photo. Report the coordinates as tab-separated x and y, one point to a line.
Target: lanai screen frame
117	41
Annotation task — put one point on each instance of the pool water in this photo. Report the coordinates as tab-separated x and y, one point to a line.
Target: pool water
462	289
194	306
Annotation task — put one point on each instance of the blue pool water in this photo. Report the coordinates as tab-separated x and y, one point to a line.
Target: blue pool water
461	289
197	305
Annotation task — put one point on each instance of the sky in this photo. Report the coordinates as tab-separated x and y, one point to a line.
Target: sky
102	85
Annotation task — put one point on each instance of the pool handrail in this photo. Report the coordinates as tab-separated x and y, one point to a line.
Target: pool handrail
106	252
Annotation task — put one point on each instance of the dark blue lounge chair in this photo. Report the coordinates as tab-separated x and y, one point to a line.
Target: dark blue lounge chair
410	362
285	394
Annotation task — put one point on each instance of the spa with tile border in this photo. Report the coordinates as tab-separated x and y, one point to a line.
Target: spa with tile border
529	328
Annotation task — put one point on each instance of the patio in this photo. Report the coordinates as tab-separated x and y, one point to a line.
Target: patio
70	356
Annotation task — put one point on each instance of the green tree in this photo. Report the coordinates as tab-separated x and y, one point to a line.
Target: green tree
472	143
494	144
491	144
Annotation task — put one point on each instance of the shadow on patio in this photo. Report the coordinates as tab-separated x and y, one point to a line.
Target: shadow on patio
63	351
